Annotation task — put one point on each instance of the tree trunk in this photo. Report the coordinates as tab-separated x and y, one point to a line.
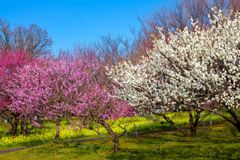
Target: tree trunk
171	122
22	125
194	121
26	129
58	129
14	126
112	134
236	119
237	125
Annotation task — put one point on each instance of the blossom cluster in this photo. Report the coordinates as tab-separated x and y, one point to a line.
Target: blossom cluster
54	88
199	66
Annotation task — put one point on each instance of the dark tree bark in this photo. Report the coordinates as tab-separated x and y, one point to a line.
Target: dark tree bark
14	126
194	118
24	126
113	135
58	129
237	125
235	117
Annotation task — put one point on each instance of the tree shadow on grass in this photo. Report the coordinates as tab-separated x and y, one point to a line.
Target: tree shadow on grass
160	146
174	153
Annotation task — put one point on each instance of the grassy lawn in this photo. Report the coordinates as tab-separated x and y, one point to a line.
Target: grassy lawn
217	143
159	142
69	131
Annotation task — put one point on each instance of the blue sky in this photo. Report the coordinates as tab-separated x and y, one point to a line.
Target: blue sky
80	21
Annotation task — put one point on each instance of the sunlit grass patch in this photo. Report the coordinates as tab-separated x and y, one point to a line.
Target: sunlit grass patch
132	125
218	144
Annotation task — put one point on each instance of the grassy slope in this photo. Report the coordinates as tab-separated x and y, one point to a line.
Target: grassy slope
218	143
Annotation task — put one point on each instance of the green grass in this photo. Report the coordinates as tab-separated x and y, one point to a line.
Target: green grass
68	131
217	143
41	136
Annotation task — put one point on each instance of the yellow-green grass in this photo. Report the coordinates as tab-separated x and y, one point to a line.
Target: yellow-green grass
216	144
69	131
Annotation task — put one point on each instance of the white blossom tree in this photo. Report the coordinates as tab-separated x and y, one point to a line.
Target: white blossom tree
194	69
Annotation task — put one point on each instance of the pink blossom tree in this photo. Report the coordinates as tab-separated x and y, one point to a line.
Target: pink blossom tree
10	61
64	87
47	88
98	102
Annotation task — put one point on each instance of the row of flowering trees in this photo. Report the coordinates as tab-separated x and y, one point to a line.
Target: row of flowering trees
33	90
194	69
